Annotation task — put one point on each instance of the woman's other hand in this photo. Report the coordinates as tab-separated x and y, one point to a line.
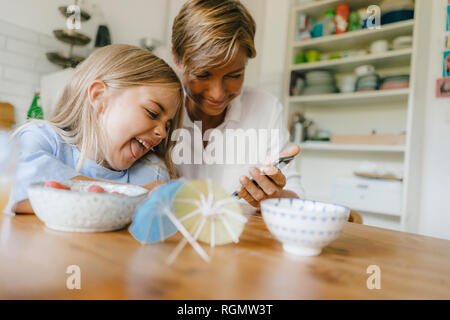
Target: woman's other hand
270	182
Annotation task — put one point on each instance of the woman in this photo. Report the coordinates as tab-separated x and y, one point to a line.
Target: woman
211	43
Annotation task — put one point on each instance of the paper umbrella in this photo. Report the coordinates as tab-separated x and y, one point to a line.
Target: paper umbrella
199	209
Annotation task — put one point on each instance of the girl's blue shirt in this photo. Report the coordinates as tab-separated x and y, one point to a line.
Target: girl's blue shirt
44	155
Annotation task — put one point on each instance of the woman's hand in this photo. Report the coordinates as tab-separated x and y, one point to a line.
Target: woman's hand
266	188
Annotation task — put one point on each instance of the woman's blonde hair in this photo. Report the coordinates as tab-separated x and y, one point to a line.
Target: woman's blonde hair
209	33
119	66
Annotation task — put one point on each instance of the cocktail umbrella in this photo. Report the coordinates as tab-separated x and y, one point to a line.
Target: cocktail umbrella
154	220
150	221
208	212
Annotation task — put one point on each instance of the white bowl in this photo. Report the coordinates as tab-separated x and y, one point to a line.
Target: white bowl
379	46
364	70
80	211
304	226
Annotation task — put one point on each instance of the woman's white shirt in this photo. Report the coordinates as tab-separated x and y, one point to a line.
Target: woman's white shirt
253	131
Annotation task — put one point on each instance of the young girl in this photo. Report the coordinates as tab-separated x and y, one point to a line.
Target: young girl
113	122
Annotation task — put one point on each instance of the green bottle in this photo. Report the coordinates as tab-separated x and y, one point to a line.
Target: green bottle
35	111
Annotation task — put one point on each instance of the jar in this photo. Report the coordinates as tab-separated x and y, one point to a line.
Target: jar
328	23
341	19
354	21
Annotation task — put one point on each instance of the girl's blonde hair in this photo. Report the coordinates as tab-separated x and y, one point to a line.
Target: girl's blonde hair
209	33
119	66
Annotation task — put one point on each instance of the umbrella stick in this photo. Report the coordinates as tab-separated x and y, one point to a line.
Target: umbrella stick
161	231
189	238
193	213
177	251
228	228
220	203
148	230
234	215
183	241
213	236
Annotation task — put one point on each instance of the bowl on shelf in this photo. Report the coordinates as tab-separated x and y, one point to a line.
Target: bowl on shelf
319	82
304	227
313	90
395	82
402	42
78	210
397	16
364	70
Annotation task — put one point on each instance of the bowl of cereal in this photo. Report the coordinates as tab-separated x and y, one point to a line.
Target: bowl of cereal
85	206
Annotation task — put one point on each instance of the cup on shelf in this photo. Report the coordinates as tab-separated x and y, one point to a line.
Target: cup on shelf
348	84
402	42
379	46
299	86
300	58
312	55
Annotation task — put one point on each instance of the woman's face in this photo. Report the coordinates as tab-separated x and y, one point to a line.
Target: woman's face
134	120
213	90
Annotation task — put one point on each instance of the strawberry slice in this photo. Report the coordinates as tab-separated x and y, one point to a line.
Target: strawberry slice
56	185
96	189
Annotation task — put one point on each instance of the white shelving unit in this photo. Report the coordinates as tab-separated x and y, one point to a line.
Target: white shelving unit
360	37
326	146
379	97
388	111
386	60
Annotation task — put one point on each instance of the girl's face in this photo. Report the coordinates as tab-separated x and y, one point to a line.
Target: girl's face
213	90
134	120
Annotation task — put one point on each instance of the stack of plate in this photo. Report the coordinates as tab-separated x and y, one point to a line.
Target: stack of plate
395	82
402	42
319	82
368	82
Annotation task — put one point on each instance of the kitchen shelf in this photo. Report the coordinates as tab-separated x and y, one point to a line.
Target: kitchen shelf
394	58
396	110
371	97
316	8
327	146
360	38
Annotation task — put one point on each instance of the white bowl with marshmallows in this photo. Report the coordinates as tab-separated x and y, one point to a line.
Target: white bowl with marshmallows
304	227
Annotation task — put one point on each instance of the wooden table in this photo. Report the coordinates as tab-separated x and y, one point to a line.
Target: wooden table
33	262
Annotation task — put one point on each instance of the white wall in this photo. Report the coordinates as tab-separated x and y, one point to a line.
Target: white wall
22	63
435	196
26	35
128	21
